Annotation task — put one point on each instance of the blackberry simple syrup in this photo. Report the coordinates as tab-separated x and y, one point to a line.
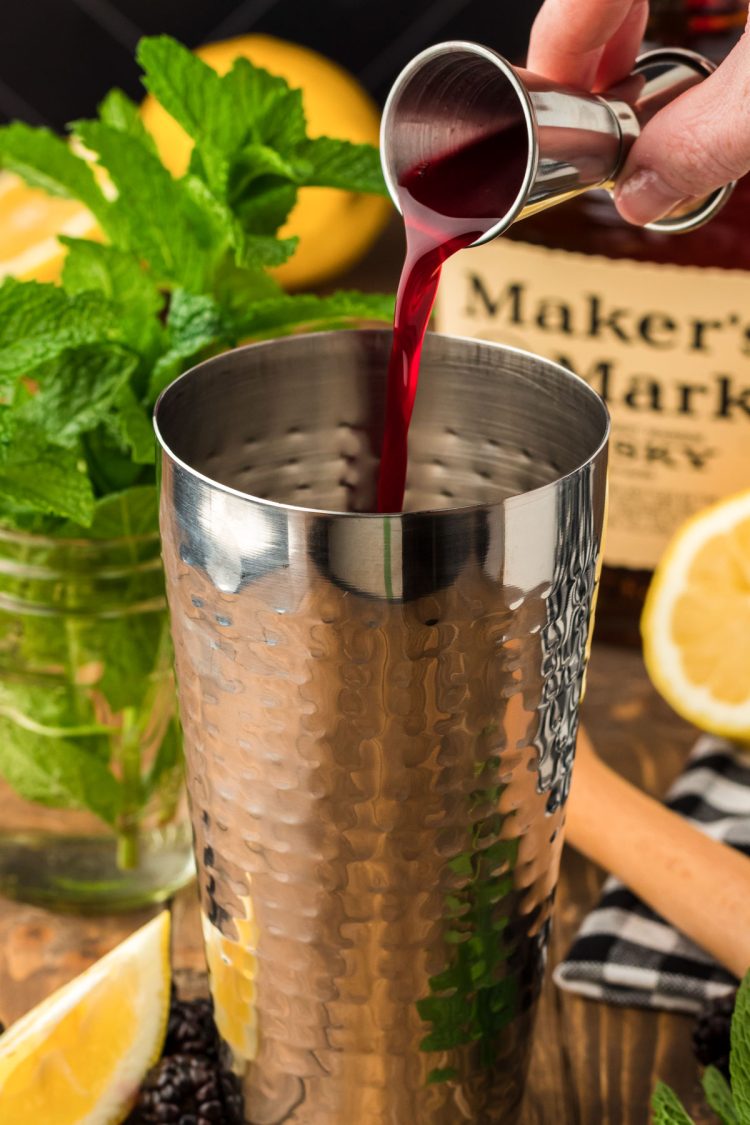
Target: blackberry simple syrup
658	323
447	204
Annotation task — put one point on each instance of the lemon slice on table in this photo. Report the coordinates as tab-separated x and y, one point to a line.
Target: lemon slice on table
696	621
79	1057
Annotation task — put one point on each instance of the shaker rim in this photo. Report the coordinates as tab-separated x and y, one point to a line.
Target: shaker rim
514	502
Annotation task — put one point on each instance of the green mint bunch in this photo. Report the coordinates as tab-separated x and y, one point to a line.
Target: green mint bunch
183	273
731	1104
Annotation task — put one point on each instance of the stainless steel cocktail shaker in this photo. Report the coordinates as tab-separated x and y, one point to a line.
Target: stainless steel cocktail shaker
380	712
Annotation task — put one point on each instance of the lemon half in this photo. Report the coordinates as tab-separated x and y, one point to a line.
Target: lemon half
696	621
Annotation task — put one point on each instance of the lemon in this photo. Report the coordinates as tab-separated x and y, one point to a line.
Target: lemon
233	969
696	621
335	228
30	221
79	1057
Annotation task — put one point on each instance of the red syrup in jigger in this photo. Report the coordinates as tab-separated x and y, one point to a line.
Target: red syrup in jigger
447	204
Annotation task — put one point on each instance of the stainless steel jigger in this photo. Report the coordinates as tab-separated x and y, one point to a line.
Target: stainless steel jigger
455	93
379	711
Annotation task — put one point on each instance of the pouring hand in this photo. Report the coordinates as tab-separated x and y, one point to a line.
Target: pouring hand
697	144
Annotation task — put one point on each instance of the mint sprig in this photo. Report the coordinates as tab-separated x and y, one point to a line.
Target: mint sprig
182	273
739	1055
731	1104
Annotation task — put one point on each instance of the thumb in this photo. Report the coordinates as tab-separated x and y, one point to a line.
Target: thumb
698	143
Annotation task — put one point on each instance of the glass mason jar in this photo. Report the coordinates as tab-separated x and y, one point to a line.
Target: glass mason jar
92	806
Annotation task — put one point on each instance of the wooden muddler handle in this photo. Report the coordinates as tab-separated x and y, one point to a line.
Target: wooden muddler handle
702	887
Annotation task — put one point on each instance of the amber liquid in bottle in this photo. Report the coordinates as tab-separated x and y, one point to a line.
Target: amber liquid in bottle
590	225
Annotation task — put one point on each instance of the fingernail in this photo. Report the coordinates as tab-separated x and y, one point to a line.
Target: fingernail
644	197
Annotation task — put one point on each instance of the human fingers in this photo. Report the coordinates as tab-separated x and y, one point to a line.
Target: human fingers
623	48
698	143
570	39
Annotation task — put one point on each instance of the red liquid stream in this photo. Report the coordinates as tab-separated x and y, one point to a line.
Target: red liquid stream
447	204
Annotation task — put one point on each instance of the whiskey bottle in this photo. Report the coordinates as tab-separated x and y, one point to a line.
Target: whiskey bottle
658	323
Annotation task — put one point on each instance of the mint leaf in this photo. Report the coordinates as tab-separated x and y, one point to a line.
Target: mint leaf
111	467
340	164
250	250
739	1056
130	426
264	250
221	114
237	287
263	212
133	512
719	1096
280	315
271	112
44	479
77	391
122	114
53	770
168	759
667	1107
190	91
129	648
47	162
38	322
120	277
154	215
262	190
195	324
257	161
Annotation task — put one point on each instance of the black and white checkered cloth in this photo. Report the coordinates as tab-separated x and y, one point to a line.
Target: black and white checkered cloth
626	954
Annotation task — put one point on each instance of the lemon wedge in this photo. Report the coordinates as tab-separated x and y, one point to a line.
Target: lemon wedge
233	970
696	621
79	1057
30	221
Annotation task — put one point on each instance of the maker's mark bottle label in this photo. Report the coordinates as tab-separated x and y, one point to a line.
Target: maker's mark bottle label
667	347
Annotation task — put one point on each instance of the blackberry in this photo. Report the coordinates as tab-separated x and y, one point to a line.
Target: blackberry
711	1033
191	1029
232	1094
181	1089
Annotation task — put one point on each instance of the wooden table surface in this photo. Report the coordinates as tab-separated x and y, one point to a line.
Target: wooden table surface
592	1064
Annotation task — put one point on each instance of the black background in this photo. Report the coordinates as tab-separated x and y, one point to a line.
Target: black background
59	57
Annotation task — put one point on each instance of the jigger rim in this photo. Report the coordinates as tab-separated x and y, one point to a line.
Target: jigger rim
452	46
516	501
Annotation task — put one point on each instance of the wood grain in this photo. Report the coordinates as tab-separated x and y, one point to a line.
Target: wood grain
592	1064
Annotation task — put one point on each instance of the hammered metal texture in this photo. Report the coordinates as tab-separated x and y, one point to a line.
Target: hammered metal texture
379	713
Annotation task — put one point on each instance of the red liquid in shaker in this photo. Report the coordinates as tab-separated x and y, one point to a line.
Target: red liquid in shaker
447	204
